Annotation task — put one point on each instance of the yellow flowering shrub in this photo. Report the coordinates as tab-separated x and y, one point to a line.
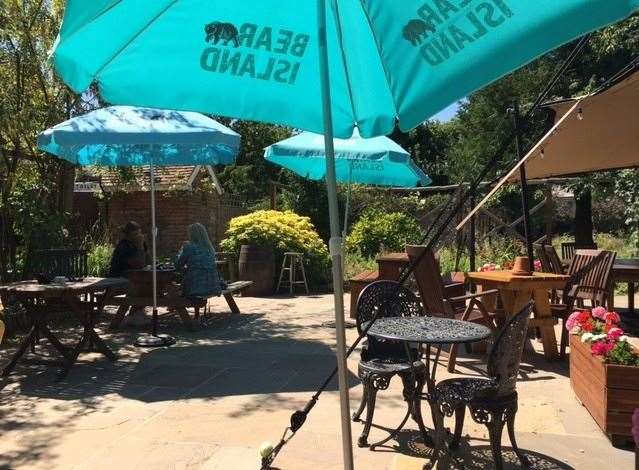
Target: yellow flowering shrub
281	231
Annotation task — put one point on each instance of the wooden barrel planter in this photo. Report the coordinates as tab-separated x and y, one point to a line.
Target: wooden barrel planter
609	392
257	264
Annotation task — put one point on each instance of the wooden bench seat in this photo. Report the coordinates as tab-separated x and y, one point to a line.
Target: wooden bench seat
179	304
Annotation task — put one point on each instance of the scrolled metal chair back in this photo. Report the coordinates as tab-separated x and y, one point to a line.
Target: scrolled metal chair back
386	299
505	355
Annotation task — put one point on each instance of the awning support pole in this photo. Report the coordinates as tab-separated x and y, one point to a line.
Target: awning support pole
524	184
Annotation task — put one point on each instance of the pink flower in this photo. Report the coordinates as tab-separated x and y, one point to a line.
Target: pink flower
612	317
537	265
615	333
599	312
602	348
572	321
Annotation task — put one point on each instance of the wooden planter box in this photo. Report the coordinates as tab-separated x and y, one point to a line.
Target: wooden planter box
609	392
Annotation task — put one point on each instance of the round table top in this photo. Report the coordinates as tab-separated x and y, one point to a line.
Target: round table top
428	330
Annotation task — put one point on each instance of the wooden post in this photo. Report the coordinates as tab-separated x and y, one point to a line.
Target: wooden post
549	213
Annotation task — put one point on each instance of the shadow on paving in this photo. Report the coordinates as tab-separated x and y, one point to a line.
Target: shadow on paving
469	457
228	356
629	321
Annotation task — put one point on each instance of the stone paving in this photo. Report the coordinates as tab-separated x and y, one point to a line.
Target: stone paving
210	401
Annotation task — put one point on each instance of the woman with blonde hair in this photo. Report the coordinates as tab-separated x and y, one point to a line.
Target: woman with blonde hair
197	259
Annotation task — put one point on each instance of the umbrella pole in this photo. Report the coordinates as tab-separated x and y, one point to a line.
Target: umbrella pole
336	241
348	201
154	236
154	340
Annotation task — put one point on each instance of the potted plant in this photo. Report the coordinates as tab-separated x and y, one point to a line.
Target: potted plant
603	371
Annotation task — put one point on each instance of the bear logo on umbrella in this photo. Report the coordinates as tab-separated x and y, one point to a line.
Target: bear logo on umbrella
416	31
218	31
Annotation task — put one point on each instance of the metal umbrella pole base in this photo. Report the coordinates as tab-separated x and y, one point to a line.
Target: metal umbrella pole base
154	340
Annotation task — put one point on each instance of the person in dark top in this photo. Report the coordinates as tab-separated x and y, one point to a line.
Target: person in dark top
130	253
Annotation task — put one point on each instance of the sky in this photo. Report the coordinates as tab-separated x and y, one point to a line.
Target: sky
448	113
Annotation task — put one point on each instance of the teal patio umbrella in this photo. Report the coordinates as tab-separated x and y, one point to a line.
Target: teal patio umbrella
376	161
130	136
325	66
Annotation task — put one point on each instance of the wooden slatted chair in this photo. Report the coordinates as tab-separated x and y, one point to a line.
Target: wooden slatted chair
556	266
57	262
568	249
550	263
541	255
437	301
590	275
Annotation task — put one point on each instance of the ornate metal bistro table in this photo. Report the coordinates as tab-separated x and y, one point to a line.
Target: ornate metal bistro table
428	333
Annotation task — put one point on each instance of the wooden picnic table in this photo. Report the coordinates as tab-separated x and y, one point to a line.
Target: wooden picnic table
142	288
86	298
625	270
517	291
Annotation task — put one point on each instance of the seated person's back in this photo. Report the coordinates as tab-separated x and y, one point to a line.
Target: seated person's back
197	258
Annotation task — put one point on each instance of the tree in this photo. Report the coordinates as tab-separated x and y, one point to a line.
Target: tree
427	145
31	99
251	175
627	188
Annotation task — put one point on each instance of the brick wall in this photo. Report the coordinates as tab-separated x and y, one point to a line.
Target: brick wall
175	210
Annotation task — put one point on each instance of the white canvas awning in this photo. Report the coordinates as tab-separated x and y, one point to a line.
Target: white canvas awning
602	134
593	133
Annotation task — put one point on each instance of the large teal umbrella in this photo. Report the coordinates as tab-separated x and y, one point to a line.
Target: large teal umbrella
131	136
376	161
373	64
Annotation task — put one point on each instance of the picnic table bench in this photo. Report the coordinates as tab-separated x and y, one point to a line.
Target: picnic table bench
178	304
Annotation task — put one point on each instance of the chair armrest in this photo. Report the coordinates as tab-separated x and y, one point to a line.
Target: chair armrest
473	296
453	285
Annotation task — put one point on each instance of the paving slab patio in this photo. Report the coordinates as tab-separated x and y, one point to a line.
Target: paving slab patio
210	401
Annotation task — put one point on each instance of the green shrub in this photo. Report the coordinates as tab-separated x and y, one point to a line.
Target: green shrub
99	259
376	229
355	263
498	249
281	231
448	258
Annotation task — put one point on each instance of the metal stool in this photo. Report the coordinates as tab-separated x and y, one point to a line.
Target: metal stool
292	263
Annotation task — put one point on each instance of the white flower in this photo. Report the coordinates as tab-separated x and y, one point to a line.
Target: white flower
598	337
587	337
624	338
